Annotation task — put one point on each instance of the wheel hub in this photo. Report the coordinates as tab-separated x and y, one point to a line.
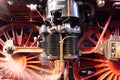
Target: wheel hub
17	65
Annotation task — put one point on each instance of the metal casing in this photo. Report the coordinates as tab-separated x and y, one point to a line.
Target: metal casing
68	8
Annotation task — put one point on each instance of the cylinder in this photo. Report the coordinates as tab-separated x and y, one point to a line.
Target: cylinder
51	44
70	44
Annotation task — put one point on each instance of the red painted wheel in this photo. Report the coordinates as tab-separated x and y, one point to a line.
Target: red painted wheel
19	58
96	67
88	42
93	66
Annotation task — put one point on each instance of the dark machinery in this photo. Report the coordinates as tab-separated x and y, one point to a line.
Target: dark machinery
59	40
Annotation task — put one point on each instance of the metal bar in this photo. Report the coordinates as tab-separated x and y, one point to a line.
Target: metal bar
28	50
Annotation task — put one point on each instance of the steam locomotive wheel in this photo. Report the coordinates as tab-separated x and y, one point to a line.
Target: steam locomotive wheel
89	41
19	58
94	66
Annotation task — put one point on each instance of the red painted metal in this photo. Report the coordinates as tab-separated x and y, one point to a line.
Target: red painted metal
93	66
25	63
108	70
88	36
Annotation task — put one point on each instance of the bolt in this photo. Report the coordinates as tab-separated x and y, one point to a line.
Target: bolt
101	49
69	54
113	54
9	50
113	47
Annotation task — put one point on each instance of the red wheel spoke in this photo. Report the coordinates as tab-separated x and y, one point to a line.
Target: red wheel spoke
13	33
20	37
115	77
22	76
92	40
28	39
17	77
7	72
117	31
96	73
104	75
14	77
34	73
2	42
41	69
96	66
5	35
10	75
118	77
27	75
110	76
92	59
97	34
29	58
2	69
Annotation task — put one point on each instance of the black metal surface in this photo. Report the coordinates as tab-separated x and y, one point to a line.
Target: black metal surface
70	44
51	44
